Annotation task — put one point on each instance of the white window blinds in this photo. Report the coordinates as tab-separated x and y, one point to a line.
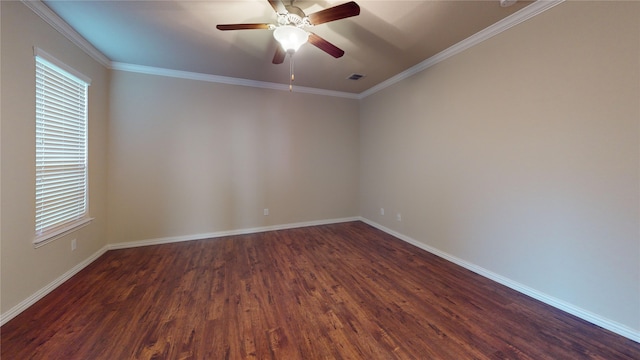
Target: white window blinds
61	150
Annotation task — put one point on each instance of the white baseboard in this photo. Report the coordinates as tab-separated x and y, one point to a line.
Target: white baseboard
173	239
23	305
605	323
557	303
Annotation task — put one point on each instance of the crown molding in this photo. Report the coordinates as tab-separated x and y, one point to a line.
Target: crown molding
226	80
66	30
510	21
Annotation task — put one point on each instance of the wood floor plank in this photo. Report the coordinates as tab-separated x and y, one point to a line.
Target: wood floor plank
342	291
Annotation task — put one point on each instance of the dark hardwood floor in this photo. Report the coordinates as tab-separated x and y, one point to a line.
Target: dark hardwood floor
343	291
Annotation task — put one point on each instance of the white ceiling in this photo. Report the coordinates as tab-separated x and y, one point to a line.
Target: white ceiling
387	38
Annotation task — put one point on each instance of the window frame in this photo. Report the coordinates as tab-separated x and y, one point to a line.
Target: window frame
65	225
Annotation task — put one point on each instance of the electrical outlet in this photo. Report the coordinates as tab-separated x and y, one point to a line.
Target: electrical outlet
74	244
399	217
266	212
381	211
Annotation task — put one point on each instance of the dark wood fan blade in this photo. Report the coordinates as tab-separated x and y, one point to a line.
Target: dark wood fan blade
225	27
278	6
335	13
325	46
278	57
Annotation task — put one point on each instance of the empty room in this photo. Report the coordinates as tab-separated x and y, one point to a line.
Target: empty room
276	179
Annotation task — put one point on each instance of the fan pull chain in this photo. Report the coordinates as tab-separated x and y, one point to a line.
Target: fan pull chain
291	72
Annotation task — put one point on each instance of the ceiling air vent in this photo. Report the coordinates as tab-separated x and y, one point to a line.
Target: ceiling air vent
355	77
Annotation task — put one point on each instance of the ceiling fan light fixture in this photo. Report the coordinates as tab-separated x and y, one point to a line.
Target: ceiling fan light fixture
290	37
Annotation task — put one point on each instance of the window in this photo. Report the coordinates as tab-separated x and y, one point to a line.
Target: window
61	148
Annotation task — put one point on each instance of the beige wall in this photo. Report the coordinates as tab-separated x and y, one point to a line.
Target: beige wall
521	155
24	269
188	157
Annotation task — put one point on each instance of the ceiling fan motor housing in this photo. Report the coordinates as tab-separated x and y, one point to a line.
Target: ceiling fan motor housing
294	16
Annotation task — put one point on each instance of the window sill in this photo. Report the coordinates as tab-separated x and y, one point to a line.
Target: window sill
44	239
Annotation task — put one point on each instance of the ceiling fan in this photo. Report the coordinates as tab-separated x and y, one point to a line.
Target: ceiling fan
290	28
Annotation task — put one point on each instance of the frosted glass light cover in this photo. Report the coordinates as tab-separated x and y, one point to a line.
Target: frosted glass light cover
290	37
